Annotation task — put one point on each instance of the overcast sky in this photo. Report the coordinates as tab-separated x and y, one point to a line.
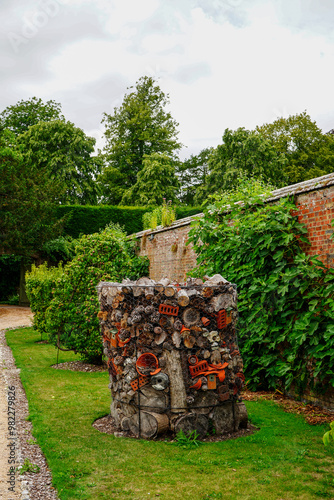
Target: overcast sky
224	63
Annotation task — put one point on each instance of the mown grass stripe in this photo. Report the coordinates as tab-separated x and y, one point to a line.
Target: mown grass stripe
284	460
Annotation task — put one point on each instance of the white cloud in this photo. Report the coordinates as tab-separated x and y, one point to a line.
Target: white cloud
122	13
225	63
254	71
86	61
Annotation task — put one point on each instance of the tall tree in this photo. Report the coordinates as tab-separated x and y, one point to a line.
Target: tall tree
66	153
244	152
25	113
193	175
27	205
309	152
140	126
155	181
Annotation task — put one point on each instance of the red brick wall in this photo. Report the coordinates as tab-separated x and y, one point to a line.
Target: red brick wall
316	211
171	257
168	253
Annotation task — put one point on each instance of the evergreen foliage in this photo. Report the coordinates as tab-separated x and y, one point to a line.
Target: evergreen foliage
9	276
27	205
87	219
91	219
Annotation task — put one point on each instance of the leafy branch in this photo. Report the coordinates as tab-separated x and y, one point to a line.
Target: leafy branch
286	304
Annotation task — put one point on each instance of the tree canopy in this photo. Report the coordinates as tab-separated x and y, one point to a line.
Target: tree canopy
193	175
308	151
66	153
27	205
139	127
244	152
47	141
22	115
45	161
155	181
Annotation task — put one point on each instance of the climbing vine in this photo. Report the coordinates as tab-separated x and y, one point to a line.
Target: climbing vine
286	304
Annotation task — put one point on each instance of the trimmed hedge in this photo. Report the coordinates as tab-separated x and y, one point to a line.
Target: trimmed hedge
91	219
183	212
9	276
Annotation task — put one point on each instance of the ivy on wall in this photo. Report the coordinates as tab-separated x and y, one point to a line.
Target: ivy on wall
286	298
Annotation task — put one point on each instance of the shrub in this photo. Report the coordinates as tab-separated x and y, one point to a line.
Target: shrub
161	216
328	437
286	303
59	249
71	318
40	282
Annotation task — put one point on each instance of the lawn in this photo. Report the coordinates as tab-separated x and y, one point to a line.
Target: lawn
285	459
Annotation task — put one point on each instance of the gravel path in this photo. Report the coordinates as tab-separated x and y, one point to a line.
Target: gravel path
14	317
20	445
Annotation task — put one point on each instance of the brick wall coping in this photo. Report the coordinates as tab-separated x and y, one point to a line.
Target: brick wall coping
178	223
303	187
293	189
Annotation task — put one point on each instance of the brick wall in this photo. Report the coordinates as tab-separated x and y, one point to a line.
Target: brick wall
171	257
168	253
325	400
316	211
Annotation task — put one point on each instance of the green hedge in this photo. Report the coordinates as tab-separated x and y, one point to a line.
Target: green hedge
9	277
89	219
183	212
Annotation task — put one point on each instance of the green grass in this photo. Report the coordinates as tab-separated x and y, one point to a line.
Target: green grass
284	460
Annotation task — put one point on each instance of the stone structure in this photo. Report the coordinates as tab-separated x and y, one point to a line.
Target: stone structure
173	358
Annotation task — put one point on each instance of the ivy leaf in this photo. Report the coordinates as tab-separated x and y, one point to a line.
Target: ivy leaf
278	256
283	289
313	304
329	332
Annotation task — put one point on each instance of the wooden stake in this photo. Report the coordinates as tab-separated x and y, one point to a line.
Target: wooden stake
178	395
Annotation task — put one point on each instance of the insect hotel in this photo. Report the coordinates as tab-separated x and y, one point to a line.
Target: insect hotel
173	358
